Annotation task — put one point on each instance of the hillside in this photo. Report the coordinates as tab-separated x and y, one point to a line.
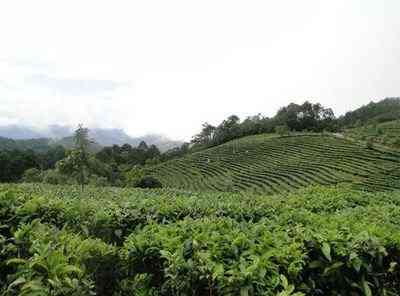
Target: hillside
39	145
387	133
271	164
382	111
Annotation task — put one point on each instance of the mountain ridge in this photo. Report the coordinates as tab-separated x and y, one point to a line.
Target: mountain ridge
57	134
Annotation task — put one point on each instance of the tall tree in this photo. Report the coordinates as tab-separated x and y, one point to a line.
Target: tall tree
82	143
205	136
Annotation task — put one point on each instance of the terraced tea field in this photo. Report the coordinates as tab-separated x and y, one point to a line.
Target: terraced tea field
267	164
387	133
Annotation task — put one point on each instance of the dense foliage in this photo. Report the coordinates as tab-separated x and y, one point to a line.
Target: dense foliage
294	117
373	113
56	240
128	155
38	145
13	163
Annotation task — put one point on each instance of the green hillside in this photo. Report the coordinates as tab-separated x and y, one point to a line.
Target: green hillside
271	164
387	133
382	111
41	145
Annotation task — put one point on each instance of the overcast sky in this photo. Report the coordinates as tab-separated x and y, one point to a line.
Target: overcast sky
167	66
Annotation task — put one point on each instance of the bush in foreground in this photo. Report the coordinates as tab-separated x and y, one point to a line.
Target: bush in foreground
57	240
149	182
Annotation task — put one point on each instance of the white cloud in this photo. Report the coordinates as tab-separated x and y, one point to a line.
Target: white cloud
167	66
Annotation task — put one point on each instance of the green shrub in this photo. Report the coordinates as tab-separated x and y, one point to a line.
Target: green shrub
134	176
282	130
32	175
53	262
57	240
149	182
54	177
98	181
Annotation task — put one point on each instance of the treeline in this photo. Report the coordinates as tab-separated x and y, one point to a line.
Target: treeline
14	163
116	165
41	145
373	113
109	166
294	117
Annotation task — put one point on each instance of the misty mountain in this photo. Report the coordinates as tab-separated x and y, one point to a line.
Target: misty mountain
62	135
16	132
40	145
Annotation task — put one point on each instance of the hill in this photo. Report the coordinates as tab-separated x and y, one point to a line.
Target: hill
382	111
272	164
387	133
38	145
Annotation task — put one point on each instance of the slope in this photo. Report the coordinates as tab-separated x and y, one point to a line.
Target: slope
382	111
271	164
387	133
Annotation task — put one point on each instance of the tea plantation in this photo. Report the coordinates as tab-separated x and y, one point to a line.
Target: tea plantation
57	240
270	164
387	133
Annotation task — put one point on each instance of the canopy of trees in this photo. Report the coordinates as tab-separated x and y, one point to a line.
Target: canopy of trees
14	163
37	145
308	116
294	117
126	154
385	110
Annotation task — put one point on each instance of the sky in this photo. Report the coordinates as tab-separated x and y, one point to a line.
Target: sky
168	66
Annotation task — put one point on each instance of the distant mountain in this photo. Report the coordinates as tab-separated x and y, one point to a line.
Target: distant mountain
39	145
19	132
68	142
62	135
163	143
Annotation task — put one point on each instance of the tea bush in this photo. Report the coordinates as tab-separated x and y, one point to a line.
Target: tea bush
58	240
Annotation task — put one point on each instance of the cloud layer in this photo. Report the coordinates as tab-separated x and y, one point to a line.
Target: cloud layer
167	66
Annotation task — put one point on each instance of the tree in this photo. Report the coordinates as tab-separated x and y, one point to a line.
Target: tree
282	130
82	143
206	136
149	182
143	146
252	125
308	116
228	130
134	176
32	175
14	163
